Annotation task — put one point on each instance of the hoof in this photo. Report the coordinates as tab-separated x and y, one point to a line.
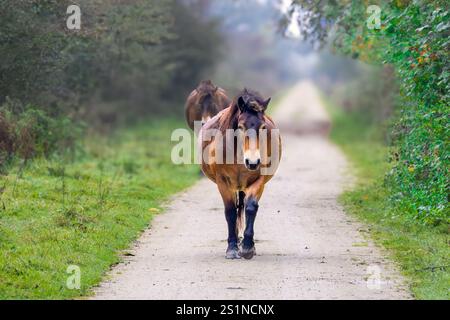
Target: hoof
248	253
232	254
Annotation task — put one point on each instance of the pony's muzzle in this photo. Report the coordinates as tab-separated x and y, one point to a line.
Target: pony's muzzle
252	165
252	158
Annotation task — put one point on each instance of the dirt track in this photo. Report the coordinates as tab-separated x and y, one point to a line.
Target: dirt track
307	248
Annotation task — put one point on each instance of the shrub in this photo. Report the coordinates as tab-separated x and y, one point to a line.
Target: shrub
27	132
413	39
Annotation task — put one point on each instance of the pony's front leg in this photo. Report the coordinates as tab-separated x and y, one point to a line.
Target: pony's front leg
252	196
229	202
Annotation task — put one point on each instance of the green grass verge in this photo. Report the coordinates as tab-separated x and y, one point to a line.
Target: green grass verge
83	213
421	251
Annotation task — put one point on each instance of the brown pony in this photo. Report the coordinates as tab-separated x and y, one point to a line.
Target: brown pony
241	178
205	102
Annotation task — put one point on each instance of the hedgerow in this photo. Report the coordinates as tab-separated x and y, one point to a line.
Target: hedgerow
413	37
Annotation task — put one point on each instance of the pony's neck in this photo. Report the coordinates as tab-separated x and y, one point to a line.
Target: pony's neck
230	118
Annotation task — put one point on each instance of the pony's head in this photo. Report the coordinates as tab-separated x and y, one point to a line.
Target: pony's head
250	123
208	108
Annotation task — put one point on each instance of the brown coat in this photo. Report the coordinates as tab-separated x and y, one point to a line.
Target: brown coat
241	184
204	103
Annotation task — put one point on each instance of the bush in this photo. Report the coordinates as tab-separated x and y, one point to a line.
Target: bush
27	132
420	178
131	59
413	39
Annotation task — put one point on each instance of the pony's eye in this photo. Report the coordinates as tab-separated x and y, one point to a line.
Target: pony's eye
241	127
263	127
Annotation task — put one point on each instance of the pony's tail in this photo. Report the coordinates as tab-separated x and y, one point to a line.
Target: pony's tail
240	223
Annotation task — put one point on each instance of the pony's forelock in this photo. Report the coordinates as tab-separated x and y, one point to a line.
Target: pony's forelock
254	101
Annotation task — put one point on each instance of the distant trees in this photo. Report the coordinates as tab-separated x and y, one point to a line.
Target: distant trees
129	59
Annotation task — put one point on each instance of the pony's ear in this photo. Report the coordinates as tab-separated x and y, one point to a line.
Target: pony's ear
241	104
215	89
265	104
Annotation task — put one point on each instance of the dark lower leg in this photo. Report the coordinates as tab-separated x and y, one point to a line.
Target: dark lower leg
231	217
251	208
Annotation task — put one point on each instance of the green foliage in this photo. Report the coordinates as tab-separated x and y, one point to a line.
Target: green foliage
27	131
421	252
130	58
413	38
420	177
31	40
55	213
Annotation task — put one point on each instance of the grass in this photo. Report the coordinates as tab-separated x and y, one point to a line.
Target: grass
421	251
54	214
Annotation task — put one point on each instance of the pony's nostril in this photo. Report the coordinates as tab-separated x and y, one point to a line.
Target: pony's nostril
252	165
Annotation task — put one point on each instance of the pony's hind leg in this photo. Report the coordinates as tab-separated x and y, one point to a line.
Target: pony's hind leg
229	202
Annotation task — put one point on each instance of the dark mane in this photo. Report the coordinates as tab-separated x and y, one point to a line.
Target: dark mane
206	87
229	119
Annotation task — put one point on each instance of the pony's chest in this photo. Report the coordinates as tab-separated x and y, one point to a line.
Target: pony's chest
242	178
